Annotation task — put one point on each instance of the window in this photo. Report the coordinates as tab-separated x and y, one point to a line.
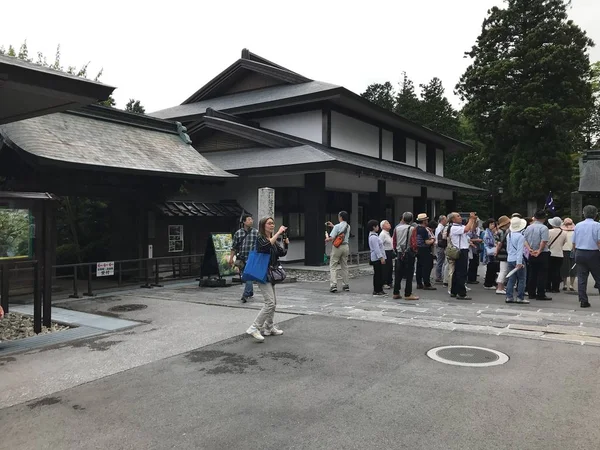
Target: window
430	162
399	147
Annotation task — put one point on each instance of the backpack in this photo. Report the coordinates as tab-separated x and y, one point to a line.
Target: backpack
413	240
442	242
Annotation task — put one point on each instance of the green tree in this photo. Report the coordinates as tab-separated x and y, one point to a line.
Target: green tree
592	130
436	112
528	95
381	94
135	107
407	103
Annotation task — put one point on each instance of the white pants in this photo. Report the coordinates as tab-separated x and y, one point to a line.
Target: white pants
503	271
266	314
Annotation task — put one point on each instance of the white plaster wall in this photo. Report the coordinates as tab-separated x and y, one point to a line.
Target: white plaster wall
295	250
341	181
411	153
439	194
387	138
439	162
307	125
402	189
422	162
354	135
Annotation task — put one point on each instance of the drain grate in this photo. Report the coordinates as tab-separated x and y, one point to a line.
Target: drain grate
127	308
464	355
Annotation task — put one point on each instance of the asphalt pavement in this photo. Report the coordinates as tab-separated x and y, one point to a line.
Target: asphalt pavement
327	383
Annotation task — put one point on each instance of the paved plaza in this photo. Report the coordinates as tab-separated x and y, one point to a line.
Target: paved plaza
351	371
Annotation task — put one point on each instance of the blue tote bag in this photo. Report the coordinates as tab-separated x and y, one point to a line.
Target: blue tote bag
256	267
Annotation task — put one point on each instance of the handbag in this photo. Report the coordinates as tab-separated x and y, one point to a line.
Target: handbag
453	252
276	275
339	239
256	267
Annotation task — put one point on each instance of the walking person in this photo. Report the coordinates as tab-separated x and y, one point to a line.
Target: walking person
536	242
244	240
502	253
425	241
388	247
586	243
458	235
378	260
515	243
567	271
405	257
489	254
267	243
558	238
338	260
440	250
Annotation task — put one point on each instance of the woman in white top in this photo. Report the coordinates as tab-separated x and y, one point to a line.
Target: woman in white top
567	272
388	247
556	241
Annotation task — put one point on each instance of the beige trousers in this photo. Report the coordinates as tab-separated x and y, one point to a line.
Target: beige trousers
338	262
449	272
266	314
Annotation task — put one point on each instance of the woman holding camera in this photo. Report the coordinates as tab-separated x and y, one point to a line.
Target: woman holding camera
267	243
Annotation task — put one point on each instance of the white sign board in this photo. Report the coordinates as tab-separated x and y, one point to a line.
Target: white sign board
105	269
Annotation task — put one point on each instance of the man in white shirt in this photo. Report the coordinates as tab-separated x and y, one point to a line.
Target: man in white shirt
388	246
460	240
440	253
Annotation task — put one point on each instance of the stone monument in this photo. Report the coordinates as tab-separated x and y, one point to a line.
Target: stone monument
266	203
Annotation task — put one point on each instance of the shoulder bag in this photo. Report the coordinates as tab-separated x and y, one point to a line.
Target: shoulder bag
452	252
275	274
339	239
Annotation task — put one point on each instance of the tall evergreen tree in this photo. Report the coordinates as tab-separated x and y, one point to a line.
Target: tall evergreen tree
407	103
381	94
528	95
436	112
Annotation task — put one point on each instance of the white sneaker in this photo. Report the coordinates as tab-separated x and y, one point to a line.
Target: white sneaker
501	291
253	331
468	288
273	331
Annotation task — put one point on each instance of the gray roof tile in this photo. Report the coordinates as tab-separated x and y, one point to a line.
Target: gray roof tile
94	141
241	99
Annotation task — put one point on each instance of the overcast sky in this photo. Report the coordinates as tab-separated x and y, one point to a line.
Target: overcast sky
161	55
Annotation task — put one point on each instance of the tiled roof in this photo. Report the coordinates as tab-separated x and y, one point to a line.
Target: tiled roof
244	99
111	139
194	209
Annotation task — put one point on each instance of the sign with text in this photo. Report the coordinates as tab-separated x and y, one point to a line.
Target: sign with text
105	269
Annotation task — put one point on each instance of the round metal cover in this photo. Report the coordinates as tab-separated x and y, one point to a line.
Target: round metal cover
127	308
465	355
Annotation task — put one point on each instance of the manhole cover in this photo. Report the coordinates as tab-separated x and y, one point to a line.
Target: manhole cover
464	355
127	308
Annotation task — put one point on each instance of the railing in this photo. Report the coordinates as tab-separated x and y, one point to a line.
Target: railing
20	278
149	271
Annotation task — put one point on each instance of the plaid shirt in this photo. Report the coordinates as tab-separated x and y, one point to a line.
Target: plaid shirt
244	242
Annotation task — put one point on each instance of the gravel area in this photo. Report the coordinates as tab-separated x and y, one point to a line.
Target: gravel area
18	326
319	276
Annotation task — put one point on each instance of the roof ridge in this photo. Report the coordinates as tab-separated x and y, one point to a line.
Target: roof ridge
115	115
247	54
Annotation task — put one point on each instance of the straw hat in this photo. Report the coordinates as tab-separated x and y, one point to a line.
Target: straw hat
517	224
556	222
568	224
421	217
503	221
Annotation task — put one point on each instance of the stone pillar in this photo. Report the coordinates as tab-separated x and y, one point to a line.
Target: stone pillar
354	224
266	202
531	207
314	218
576	206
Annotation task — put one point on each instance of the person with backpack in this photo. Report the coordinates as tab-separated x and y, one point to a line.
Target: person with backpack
405	243
244	240
458	237
338	260
440	249
425	242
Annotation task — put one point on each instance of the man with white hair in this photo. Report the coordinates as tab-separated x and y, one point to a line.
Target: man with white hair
440	251
388	246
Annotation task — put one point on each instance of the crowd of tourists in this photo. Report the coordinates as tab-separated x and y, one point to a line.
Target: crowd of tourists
533	255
